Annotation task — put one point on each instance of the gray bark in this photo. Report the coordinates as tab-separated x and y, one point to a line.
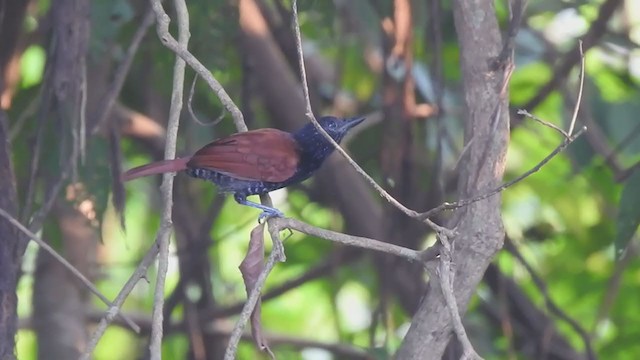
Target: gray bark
479	226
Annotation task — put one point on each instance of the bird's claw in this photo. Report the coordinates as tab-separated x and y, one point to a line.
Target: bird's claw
265	215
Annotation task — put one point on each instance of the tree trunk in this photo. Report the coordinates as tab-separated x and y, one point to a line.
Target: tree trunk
480	232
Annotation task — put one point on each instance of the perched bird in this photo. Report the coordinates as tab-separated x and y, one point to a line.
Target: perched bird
258	161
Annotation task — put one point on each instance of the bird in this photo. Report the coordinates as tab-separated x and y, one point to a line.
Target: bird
258	161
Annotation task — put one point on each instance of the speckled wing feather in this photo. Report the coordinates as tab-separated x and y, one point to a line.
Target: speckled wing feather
264	155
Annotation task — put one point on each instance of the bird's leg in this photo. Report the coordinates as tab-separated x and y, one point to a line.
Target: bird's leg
267	211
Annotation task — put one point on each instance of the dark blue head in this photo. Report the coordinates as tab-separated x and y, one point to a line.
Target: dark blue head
315	147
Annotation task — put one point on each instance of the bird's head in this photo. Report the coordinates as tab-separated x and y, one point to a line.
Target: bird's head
315	144
336	128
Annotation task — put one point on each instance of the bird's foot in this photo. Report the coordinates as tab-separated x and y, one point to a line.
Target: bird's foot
271	213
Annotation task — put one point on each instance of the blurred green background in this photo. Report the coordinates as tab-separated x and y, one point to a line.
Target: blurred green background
566	220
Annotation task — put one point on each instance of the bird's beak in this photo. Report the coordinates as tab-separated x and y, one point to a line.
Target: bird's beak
349	123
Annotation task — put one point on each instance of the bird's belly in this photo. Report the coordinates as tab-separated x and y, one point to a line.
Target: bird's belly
230	184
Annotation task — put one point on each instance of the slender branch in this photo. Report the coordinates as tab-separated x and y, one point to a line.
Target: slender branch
44	245
194	117
357	241
574	118
164	233
543	122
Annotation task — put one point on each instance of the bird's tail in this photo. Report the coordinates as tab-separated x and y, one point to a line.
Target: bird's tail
158	167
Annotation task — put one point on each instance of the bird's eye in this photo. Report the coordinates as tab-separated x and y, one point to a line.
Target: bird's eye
332	125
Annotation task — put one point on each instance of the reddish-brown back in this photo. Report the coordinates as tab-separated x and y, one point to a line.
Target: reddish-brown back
264	155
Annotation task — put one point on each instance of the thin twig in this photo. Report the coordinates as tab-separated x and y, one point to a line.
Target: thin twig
44	245
574	118
164	233
278	247
543	122
357	241
194	117
569	137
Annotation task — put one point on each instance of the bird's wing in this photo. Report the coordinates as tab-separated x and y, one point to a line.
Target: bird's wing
264	155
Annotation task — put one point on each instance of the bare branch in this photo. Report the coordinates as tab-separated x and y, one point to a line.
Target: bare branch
543	122
357	241
164	233
193	114
580	88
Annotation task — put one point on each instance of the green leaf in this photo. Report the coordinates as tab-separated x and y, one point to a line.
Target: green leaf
32	66
628	213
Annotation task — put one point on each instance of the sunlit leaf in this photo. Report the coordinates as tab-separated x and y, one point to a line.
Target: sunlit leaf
32	65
